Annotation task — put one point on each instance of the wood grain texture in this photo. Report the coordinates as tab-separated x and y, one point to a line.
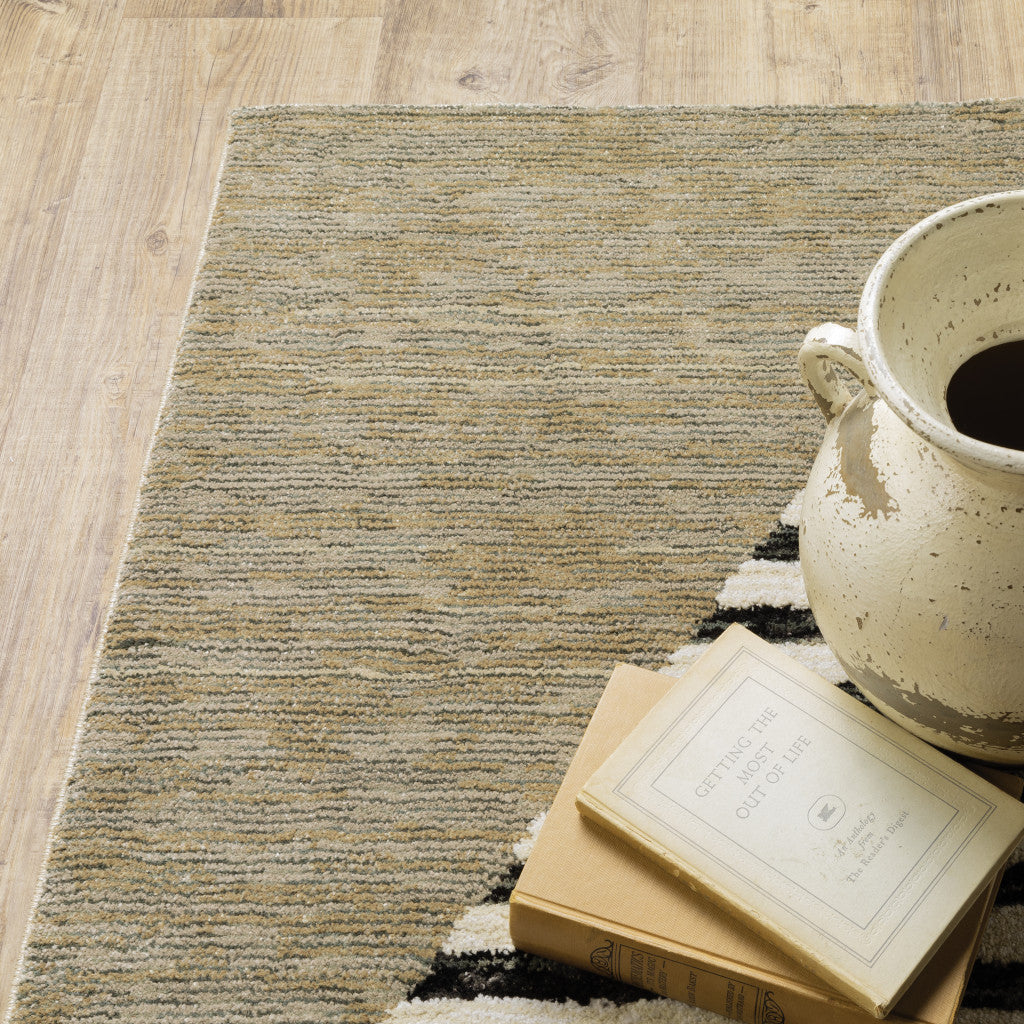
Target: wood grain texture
853	52
988	39
52	69
113	122
793	51
512	51
253	9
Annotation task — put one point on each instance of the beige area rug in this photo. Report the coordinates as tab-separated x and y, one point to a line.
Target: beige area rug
470	405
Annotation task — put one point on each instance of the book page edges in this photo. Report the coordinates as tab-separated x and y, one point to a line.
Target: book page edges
556	932
542	927
979	931
877	1004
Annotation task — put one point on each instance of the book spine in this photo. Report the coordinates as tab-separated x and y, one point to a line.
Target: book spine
550	931
597	811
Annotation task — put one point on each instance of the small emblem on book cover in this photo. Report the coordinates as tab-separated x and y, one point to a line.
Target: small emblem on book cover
601	958
826	812
771	1012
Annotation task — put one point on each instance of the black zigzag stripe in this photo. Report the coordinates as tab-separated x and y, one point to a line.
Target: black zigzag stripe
785	623
781	545
522	975
504	886
995	986
854	691
1011	888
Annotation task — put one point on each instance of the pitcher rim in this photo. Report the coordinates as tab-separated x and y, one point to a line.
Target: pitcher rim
961	446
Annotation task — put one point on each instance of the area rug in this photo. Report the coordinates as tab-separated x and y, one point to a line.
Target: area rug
470	405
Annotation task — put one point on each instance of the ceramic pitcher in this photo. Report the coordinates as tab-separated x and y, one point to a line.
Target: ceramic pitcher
912	531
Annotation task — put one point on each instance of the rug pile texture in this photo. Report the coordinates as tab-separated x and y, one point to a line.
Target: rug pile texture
470	405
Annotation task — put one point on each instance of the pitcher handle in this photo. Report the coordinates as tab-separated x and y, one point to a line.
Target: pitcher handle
825	347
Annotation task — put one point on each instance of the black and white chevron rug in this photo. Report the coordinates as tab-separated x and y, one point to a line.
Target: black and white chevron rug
478	976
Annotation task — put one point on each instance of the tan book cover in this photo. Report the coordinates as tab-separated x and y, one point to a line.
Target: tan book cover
589	899
852	845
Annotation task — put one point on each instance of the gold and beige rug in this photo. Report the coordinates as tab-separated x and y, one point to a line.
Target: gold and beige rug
470	404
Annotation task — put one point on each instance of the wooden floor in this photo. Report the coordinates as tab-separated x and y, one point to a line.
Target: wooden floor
112	125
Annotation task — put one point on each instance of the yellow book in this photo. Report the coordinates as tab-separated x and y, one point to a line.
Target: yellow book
589	899
851	845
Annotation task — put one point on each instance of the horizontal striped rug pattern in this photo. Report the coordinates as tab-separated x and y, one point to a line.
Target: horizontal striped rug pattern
470	404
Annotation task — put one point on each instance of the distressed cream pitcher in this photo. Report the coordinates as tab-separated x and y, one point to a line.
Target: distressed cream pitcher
912	531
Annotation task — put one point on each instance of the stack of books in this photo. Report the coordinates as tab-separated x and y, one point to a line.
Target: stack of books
751	840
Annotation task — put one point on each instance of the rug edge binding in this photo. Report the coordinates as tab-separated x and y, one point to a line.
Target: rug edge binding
934	106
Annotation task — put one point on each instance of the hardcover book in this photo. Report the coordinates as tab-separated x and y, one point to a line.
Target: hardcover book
589	899
850	844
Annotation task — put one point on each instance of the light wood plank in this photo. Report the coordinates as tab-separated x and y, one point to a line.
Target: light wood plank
832	51
935	36
252	8
990	40
512	51
53	58
83	409
709	51
845	51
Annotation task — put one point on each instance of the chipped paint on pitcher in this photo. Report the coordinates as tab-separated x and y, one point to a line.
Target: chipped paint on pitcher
912	533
